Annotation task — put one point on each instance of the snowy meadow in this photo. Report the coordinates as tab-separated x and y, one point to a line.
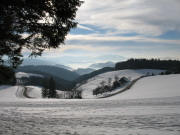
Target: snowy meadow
160	116
150	107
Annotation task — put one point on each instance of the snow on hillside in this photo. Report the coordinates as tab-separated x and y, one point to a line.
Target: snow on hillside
10	93
94	82
14	93
153	87
157	116
34	92
17	93
22	74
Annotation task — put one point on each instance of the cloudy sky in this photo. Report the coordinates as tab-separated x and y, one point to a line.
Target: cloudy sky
115	30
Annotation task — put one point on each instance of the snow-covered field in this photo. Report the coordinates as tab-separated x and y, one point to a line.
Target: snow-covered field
150	107
91	117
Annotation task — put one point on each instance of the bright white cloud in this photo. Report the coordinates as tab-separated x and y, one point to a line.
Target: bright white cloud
104	37
85	28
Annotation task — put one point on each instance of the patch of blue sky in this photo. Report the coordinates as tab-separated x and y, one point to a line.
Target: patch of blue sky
111	57
98	29
76	51
74	60
170	35
127	34
93	29
99	42
80	31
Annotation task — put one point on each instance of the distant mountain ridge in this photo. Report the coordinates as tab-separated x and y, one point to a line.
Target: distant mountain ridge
36	78
52	70
85	77
35	62
63	66
38	62
83	71
102	65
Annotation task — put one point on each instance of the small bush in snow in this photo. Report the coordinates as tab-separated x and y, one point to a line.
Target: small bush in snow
103	88
49	89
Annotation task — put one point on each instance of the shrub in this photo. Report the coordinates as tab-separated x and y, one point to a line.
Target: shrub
108	88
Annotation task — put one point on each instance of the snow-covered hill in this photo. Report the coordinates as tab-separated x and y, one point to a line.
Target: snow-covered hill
149	87
94	82
26	75
39	62
8	93
35	92
153	87
109	116
17	93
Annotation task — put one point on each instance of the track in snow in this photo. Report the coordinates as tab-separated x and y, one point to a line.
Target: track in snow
20	92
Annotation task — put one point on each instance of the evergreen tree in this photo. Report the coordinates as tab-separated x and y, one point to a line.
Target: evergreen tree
45	89
170	65
35	25
7	76
44	92
52	88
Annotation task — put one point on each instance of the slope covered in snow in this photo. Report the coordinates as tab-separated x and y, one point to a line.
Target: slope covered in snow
88	87
110	116
19	93
148	87
16	93
153	87
27	75
34	92
11	93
